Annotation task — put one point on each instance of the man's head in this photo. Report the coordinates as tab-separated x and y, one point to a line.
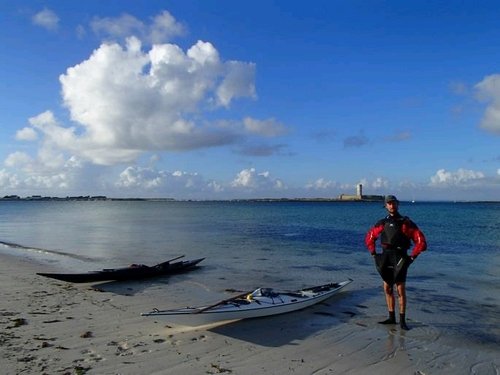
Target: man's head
391	204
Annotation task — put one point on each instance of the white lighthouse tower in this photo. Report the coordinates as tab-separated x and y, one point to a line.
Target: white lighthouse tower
359	191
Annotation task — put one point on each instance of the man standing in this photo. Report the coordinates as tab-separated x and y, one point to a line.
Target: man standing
396	233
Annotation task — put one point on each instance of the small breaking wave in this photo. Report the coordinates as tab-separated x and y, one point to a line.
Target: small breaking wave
41	251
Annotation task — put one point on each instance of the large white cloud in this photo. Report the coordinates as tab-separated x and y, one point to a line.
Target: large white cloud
124	101
138	92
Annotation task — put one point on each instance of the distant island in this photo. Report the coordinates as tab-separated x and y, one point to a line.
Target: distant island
358	197
78	198
104	198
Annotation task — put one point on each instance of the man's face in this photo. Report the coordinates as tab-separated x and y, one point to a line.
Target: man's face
392	207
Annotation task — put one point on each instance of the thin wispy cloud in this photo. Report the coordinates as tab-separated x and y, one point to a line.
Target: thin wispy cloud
399	136
356	141
161	28
46	19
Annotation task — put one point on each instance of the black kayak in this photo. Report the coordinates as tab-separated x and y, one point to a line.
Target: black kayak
132	272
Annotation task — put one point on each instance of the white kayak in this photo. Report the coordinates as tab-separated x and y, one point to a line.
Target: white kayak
261	302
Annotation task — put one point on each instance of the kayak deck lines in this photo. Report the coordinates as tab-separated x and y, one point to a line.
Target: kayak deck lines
258	303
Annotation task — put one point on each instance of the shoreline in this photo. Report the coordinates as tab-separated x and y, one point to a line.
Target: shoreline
366	199
49	326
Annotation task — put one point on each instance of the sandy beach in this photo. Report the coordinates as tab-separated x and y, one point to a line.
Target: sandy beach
52	327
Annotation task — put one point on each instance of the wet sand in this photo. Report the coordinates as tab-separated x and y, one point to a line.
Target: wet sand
52	327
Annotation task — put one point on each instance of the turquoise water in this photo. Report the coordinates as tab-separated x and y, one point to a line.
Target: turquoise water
280	244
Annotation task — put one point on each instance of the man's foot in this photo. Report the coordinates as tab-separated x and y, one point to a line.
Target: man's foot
402	322
388	321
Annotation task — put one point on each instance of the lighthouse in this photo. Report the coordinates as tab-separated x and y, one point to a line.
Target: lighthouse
359	191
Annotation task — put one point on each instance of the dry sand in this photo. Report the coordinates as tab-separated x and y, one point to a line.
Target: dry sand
52	327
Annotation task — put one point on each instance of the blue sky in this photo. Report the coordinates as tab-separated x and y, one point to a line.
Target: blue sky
232	99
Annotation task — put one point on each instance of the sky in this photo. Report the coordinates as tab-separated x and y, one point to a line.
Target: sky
223	99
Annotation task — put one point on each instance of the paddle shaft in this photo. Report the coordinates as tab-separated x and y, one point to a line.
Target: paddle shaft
221	303
162	264
171	260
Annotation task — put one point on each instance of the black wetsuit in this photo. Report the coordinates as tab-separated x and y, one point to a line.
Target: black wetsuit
393	263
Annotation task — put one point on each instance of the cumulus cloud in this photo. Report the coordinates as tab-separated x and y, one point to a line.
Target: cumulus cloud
124	101
250	179
462	177
149	181
488	90
179	183
8	180
152	181
45	171
176	183
139	93
57	181
46	19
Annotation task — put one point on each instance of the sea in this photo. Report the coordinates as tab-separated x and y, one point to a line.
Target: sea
453	287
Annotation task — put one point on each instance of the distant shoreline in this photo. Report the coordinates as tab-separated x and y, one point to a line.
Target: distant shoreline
87	198
104	198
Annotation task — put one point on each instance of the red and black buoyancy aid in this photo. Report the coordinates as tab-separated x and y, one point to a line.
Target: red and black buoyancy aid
392	236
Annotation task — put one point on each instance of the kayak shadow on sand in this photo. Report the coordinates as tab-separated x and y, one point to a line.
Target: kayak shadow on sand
133	287
284	329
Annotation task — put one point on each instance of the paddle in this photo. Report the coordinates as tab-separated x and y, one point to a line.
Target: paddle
221	303
168	261
171	260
